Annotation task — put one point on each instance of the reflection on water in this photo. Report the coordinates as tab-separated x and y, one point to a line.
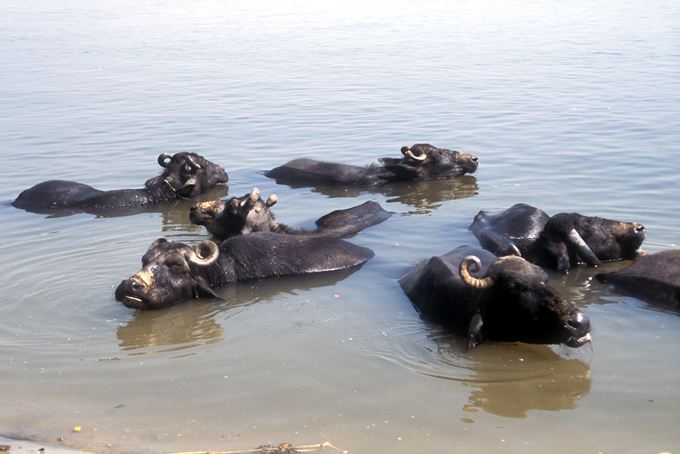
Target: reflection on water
174	329
423	196
504	379
194	323
527	378
511	379
427	196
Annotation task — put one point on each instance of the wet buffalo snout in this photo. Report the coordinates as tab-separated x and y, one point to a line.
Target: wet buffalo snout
580	323
129	286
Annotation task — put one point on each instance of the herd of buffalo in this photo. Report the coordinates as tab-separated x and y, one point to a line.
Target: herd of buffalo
499	291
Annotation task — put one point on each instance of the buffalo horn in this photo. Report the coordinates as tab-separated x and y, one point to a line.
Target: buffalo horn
583	249
464	271
204	254
157	242
252	198
514	250
271	201
162	158
406	151
193	164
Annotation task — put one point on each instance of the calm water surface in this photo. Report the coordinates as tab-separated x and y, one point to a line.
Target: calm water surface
570	106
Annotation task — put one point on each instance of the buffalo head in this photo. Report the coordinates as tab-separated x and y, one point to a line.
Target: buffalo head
508	300
170	272
520	306
426	162
571	238
188	174
236	216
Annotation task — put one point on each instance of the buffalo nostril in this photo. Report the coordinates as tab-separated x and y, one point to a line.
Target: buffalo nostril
475	159
640	228
136	285
579	322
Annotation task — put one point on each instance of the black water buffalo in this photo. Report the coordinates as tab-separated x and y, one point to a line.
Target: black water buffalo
186	175
420	162
173	272
560	241
654	278
241	215
512	302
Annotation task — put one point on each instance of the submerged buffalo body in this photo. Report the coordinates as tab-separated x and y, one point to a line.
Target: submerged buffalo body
241	215
511	302
654	278
419	163
560	241
185	175
173	272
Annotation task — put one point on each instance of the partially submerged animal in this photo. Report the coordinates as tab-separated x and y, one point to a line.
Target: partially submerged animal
561	241
185	175
510	301
419	162
241	215
654	278
173	272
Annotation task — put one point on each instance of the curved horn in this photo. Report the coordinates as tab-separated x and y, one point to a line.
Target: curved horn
193	164
157	242
252	198
205	253
514	250
406	151
271	201
583	249
464	272
162	158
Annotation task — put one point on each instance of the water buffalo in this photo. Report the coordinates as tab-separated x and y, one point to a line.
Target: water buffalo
419	162
185	175
241	215
560	241
173	272
511	302
654	278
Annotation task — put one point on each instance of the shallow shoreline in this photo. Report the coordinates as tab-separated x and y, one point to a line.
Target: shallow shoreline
27	446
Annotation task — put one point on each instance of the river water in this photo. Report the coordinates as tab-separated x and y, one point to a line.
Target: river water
570	106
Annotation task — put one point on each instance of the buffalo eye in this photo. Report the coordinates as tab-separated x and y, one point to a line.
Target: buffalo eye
176	265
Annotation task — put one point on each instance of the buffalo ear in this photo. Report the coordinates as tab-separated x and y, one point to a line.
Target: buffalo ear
186	190
403	171
389	161
474	336
159	241
154	182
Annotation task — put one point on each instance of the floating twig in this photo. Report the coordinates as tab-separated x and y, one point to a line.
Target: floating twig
283	448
